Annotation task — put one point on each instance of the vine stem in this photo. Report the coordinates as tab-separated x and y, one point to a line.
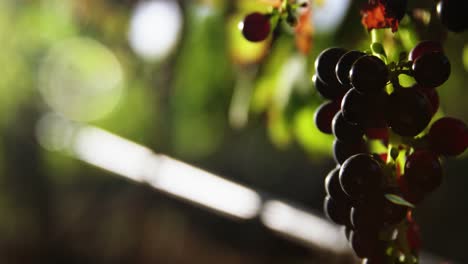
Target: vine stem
403	242
377	36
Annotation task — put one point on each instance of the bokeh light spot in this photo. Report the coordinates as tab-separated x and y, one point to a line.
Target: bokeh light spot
329	14
155	28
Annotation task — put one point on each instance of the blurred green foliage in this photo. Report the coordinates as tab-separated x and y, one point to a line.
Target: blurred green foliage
188	95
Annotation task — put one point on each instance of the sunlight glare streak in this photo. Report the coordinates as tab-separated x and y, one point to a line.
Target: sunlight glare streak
111	152
301	225
118	155
203	188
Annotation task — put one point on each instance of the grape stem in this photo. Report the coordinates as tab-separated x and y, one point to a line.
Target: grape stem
395	141
403	242
377	35
282	10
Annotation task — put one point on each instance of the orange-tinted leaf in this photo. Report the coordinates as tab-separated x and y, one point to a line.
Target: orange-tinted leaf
273	3
304	32
375	15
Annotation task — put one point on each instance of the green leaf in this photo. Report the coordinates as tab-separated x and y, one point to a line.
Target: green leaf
398	200
378	49
403	56
406	80
394	152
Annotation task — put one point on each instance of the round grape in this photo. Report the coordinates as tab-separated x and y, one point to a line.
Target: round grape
325	65
452	13
448	136
361	176
344	66
343	150
364	220
371	215
256	27
333	187
431	69
337	212
408	112
363	246
411	193
369	74
324	115
423	47
432	96
345	131
328	91
353	106
365	110
423	169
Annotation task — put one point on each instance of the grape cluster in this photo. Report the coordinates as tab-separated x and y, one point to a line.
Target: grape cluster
372	194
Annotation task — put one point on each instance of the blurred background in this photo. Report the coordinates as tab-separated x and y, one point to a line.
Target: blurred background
178	78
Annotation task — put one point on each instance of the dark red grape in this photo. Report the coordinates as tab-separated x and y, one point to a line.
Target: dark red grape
361	176
408	112
423	169
448	136
344	66
369	74
365	110
333	186
371	215
452	13
328	91
432	96
354	107
431	69
256	27
343	150
364	220
423	47
345	131
325	65
364	246
324	115
411	193
337	212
